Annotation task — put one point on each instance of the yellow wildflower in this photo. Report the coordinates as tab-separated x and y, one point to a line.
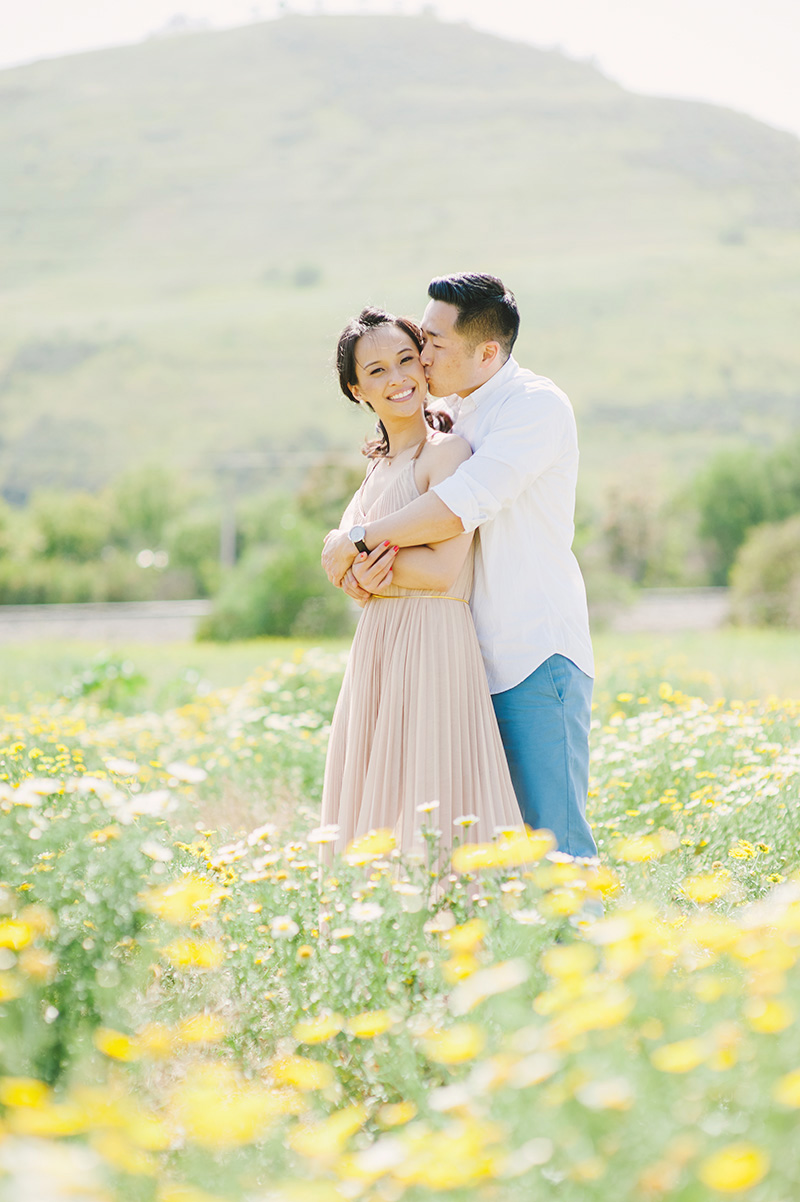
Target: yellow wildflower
371	846
707	887
115	1044
638	849
193	953
566	961
369	1024
216	1107
201	1028
15	934
681	1056
734	1168
769	1016
318	1029
325	1140
185	901
302	1073
23	1091
787	1089
395	1114
461	1042
467	937
509	851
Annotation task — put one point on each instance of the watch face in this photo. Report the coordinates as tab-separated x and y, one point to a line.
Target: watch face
357	534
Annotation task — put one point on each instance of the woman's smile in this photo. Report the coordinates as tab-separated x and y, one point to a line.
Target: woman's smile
402	396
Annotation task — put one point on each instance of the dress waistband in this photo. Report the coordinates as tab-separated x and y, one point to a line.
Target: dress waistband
415	596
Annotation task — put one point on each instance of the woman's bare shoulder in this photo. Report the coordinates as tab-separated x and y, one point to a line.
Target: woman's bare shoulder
447	449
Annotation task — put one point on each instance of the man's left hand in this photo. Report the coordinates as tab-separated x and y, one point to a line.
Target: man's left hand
338	554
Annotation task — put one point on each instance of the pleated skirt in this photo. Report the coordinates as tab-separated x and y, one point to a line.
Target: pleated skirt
413	725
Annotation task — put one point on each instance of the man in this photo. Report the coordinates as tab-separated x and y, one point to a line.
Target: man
528	600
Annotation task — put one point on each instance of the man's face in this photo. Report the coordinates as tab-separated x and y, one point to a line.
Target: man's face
451	366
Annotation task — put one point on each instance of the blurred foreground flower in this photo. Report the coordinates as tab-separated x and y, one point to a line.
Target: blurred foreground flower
510	850
734	1168
370	847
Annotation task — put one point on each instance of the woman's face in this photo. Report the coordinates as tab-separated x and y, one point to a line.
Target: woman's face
391	379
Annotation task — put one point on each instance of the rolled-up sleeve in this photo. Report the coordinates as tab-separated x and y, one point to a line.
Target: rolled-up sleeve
529	434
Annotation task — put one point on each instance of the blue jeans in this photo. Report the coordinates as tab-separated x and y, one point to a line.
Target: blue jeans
544	724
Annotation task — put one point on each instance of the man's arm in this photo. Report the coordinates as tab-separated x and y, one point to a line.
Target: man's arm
422	522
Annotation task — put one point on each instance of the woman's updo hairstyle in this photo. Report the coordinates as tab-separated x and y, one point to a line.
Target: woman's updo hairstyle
367	320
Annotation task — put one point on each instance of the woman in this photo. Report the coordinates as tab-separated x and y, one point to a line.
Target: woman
414	722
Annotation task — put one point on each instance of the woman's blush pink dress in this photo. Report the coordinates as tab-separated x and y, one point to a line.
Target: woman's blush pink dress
414	721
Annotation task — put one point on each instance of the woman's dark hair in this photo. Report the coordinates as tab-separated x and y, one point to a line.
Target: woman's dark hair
367	320
487	311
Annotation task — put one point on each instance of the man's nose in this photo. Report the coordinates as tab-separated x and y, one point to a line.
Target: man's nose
425	357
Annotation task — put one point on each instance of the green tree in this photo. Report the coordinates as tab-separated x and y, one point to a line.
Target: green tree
733	495
146	500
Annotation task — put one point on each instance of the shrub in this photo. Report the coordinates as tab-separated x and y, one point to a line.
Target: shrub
280	590
765	579
193	545
74	526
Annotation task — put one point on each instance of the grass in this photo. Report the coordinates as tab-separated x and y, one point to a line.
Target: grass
730	664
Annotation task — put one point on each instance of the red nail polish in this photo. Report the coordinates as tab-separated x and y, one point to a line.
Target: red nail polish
397	548
386	544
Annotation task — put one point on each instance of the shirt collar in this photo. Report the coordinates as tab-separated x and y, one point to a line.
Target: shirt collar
464	405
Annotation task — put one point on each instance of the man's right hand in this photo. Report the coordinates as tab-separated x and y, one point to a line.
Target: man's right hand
338	554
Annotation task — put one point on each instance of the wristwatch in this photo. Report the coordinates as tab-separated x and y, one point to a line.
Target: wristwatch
356	536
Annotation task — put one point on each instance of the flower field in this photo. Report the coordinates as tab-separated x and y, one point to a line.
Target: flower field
193	1008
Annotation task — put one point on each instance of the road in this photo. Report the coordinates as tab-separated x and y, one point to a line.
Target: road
657	611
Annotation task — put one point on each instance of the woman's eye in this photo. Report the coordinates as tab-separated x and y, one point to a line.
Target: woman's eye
375	371
407	359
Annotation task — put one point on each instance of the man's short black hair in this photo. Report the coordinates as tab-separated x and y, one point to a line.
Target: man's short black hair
487	311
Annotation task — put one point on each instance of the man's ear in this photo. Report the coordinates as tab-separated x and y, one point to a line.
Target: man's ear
490	352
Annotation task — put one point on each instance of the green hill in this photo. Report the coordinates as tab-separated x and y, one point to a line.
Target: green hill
186	224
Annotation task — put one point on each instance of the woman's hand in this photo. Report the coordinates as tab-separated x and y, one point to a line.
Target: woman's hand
373	572
353	589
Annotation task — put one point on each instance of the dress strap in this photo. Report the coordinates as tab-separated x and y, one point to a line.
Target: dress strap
370	470
420	449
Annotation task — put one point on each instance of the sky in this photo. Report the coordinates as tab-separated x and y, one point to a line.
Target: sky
736	53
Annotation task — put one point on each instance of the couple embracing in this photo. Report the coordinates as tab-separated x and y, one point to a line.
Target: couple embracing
470	678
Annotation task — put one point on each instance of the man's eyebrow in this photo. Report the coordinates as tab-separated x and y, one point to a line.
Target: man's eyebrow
431	333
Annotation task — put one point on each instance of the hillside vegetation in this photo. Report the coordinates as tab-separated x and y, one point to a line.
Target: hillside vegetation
186	224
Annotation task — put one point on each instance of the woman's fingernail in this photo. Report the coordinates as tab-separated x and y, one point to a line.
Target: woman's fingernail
386	544
362	555
396	548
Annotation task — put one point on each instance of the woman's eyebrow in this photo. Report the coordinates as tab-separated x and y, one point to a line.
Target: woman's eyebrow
403	350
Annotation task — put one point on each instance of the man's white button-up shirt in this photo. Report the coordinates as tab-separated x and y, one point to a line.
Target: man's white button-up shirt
528	598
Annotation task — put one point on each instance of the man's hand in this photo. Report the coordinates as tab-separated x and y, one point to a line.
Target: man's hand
373	572
338	554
